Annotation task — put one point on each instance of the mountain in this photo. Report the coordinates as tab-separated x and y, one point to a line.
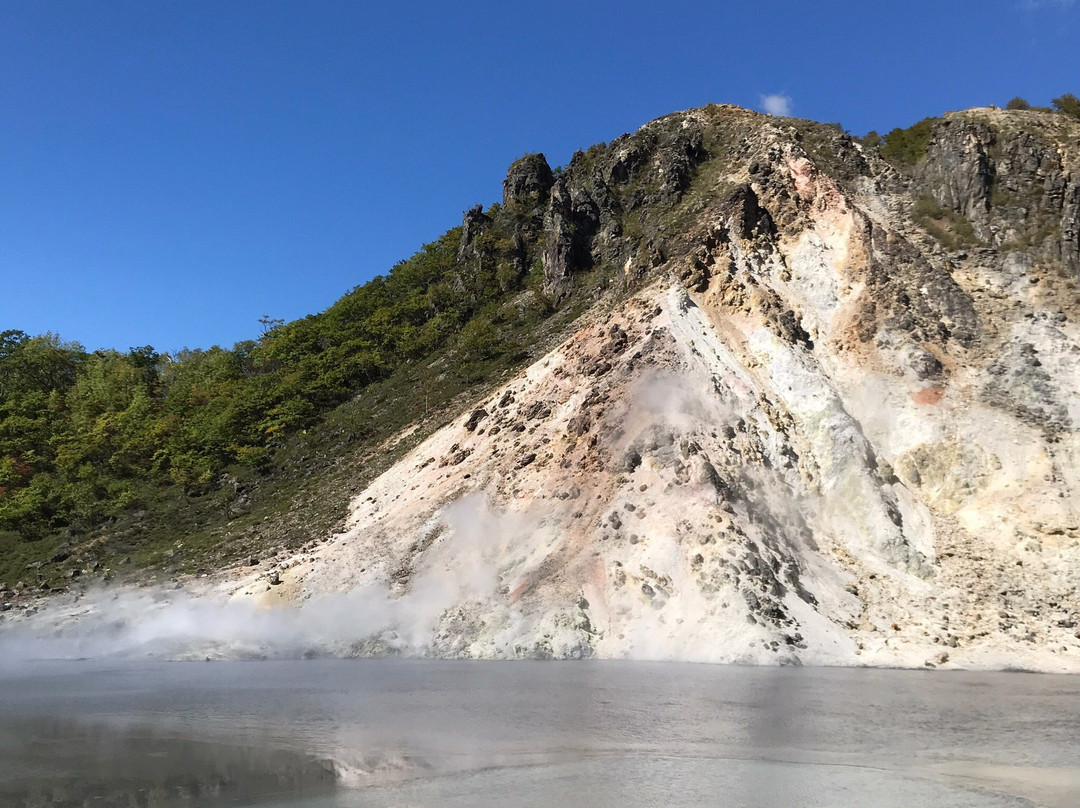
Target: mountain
794	397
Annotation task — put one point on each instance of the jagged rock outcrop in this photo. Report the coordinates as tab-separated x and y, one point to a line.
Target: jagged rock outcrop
1013	177
528	182
472	225
602	210
958	167
568	233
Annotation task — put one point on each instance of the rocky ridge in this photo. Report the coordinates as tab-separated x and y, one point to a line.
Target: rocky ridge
826	414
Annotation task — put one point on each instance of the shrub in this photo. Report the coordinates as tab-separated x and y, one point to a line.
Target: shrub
478	340
950	228
1018	103
908	146
872	140
1067	104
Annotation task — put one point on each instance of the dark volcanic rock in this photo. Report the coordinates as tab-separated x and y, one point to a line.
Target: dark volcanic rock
566	249
475	418
1012	185
958	169
472	225
528	182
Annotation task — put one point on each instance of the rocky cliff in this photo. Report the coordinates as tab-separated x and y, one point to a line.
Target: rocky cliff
824	411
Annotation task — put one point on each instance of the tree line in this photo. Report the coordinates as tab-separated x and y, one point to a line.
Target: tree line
83	432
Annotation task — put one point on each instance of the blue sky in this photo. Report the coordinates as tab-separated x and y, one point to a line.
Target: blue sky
169	172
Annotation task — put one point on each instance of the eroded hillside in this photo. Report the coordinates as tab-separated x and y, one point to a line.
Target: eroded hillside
826	412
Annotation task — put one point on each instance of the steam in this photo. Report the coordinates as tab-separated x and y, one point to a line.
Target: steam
668	407
665	405
155	622
179	624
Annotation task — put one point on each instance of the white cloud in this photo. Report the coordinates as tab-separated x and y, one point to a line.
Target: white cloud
779	105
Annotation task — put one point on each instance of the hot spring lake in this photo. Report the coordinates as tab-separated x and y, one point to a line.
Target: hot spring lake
427	733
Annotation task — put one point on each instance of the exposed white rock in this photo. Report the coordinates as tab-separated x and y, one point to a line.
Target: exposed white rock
766	470
715	496
811	445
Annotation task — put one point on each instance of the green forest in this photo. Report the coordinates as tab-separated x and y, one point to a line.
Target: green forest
88	439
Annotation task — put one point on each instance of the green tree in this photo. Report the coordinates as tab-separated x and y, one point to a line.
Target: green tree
84	436
1067	104
908	146
871	140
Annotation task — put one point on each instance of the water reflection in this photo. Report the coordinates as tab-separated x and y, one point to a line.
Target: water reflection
58	762
341	734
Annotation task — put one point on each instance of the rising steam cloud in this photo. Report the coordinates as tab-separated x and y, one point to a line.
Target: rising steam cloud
156	622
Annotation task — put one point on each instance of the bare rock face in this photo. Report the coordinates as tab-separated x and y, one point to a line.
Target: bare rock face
1014	176
826	413
472	226
570	224
610	189
958	167
527	182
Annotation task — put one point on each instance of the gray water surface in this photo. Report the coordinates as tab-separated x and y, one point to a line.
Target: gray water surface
424	733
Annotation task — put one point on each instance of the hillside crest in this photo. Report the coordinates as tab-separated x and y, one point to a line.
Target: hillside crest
791	396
